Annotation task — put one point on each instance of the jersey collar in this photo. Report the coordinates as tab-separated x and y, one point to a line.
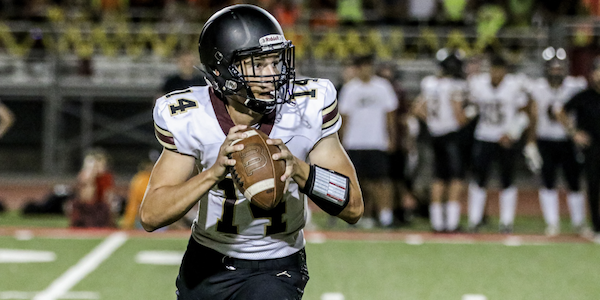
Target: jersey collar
266	123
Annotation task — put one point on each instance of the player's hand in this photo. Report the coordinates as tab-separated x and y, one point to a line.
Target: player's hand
581	139
223	162
505	141
291	164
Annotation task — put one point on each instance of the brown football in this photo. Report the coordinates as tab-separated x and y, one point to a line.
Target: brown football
255	173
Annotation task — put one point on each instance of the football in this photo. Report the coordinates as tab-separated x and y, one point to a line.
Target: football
255	173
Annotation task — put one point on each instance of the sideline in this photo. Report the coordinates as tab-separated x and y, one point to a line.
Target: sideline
84	267
314	236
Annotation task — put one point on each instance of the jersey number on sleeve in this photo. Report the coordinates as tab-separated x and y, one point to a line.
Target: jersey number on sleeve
225	224
182	106
312	93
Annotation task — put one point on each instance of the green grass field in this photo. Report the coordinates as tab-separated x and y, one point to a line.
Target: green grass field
384	267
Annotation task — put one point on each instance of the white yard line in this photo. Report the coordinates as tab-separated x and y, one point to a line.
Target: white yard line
85	266
13	295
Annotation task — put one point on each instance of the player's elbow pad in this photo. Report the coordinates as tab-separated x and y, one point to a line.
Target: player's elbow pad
517	126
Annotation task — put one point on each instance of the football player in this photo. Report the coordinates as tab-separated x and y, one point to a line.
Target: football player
557	150
504	114
237	250
367	103
440	106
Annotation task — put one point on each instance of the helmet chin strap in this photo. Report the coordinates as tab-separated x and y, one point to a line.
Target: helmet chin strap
257	105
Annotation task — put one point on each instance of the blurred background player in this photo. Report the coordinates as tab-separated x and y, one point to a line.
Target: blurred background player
584	130
367	103
186	76
7	118
404	202
440	106
556	149
504	115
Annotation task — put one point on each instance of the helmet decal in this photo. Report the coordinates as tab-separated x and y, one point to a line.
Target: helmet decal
271	39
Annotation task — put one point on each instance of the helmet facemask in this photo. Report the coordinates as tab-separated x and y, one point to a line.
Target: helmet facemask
247	71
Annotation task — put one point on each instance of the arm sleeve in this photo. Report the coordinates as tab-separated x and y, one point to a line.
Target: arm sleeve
330	112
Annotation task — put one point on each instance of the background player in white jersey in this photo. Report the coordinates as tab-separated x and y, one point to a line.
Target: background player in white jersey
440	105
367	103
504	115
556	148
237	250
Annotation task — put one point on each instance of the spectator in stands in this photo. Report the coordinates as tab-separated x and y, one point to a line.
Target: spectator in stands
422	11
323	13
287	12
178	11
7	118
95	195
186	76
585	133
367	103
145	10
350	12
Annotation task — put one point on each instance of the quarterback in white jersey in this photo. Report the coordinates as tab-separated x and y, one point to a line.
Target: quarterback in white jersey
550	93
236	228
237	250
504	113
441	108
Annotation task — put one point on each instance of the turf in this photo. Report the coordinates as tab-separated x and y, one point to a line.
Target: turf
15	219
396	270
134	280
357	269
29	277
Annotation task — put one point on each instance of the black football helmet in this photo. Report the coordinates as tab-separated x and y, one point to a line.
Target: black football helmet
555	64
242	32
451	62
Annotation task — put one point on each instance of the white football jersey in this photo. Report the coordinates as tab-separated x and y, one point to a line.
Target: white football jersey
195	122
439	92
365	104
497	105
548	100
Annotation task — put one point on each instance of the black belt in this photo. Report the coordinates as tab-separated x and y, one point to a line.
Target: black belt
295	260
197	251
